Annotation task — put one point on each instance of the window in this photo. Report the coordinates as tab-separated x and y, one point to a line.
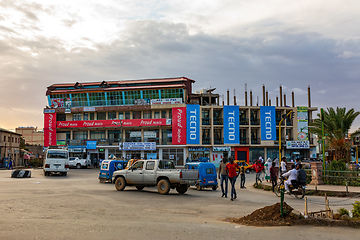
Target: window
92	116
76	116
163	114
101	116
166	165
156	114
60	117
57	154
138	165
97	99
209	171
147	114
97	134
80	135
9	139
86	116
79	99
114	135
150	165
121	115
131	96
127	115
4	138
114	98
172	93
137	115
112	115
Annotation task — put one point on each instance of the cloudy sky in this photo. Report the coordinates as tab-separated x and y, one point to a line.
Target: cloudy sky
219	43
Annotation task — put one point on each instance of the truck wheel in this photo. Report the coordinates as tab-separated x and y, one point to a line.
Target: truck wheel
120	184
78	166
139	188
163	186
198	187
182	188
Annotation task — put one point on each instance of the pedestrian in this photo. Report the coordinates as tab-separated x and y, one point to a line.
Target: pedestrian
273	176
276	160
283	165
11	165
223	177
258	169
261	159
267	169
231	168
297	162
242	175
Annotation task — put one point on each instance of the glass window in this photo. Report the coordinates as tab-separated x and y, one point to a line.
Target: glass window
166	164
79	99
138	165
166	137
92	116
127	115
60	117
150	165
132	136
115	98
137	115
156	114
112	115
147	114
97	99
114	135
151	136
121	115
163	114
101	116
86	116
131	96
80	135
57	154
76	116
151	94
209	171
97	134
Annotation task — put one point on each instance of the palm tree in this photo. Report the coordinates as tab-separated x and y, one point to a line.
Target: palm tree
337	124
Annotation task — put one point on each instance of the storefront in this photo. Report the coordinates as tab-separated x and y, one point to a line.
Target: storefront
218	153
241	153
198	153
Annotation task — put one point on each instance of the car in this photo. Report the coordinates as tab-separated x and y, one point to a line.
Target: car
78	163
56	161
248	168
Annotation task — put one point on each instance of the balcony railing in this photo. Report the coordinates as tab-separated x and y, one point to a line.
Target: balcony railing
206	140
218	141
255	140
206	121
244	140
244	121
255	121
218	121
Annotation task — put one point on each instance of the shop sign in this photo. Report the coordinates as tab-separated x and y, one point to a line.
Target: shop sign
149	134
179	126
113	123
49	110
89	109
166	101
139	146
199	149
135	134
49	129
142	101
221	149
231	125
193	124
103	142
91	144
151	155
61	142
297	144
77	150
302	119
268	123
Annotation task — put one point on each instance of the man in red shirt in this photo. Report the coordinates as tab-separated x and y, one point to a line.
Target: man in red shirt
231	168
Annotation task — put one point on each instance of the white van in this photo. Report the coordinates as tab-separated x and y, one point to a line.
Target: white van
56	161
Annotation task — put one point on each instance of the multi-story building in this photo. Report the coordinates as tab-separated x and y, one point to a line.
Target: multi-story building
162	118
9	147
31	135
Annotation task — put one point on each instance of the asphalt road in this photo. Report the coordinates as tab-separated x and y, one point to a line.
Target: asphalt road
79	207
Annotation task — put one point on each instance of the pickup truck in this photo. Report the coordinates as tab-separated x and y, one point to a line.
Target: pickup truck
160	173
78	163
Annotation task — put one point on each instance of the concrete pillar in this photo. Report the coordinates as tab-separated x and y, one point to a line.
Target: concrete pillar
316	173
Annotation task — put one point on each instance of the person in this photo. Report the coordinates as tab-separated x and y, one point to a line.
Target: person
297	162
223	177
292	175
242	175
258	169
301	175
261	159
283	165
231	168
267	169
273	176
11	165
276	160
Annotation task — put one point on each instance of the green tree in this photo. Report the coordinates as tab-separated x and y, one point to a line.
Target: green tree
337	123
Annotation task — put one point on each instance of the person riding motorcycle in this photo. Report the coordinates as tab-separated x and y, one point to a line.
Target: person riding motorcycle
292	175
301	179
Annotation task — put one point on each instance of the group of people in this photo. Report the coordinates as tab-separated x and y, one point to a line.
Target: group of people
229	171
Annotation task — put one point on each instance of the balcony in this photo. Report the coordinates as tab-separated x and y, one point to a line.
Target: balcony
218	141
206	141
218	121
255	121
255	140
205	121
244	121
244	140
288	122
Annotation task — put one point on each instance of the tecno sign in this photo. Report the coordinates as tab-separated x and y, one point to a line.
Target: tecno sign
268	123
231	125
193	124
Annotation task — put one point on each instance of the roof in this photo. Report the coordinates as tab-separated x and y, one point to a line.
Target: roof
8	131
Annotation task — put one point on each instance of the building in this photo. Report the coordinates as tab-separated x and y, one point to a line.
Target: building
31	135
9	148
162	118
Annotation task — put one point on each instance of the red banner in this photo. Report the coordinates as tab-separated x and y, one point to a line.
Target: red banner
113	123
49	129
179	126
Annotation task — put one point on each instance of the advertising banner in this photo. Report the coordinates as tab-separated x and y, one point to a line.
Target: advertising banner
302	118
50	129
57	103
166	101
297	144
268	123
193	124
139	146
91	145
231	125
179	126
113	123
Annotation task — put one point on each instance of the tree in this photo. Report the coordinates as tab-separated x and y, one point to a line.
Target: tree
337	124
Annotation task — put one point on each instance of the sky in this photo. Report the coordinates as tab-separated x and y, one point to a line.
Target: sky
223	44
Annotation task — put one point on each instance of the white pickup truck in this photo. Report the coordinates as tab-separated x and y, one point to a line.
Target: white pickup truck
160	173
78	163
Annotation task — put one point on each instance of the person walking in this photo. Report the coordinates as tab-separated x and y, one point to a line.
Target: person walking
267	169
273	176
11	165
283	165
223	177
258	169
231	168
242	175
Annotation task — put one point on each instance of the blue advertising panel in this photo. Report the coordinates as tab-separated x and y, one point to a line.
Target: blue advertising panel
231	125
268	123
91	144
193	124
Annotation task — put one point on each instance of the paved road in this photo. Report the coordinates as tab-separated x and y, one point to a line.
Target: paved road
79	207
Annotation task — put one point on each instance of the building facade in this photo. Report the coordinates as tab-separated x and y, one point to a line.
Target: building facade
31	135
9	148
162	118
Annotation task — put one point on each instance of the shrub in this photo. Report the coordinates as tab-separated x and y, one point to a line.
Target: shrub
343	211
356	209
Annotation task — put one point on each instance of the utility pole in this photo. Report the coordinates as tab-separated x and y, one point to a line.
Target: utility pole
323	136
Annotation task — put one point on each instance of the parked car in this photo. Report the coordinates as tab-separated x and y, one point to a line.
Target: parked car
207	174
108	167
56	161
78	163
160	173
248	168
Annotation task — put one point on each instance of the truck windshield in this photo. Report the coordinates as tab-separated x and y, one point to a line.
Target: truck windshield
166	165
57	154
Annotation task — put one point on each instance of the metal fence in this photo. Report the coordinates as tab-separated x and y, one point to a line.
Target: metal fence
342	178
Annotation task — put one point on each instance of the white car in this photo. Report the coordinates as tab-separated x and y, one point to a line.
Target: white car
78	163
56	161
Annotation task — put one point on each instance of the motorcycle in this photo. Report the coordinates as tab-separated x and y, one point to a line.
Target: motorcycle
296	189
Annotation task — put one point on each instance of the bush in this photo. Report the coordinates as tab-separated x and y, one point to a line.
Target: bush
356	209
343	211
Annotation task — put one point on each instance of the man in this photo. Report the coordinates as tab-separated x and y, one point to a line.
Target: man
223	177
297	161
301	175
283	165
231	168
261	159
242	175
258	169
292	175
273	176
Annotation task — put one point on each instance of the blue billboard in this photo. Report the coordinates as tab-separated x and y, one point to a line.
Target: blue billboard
91	145
268	123
192	124
231	125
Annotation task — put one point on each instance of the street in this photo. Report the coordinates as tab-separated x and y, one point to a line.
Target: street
79	207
